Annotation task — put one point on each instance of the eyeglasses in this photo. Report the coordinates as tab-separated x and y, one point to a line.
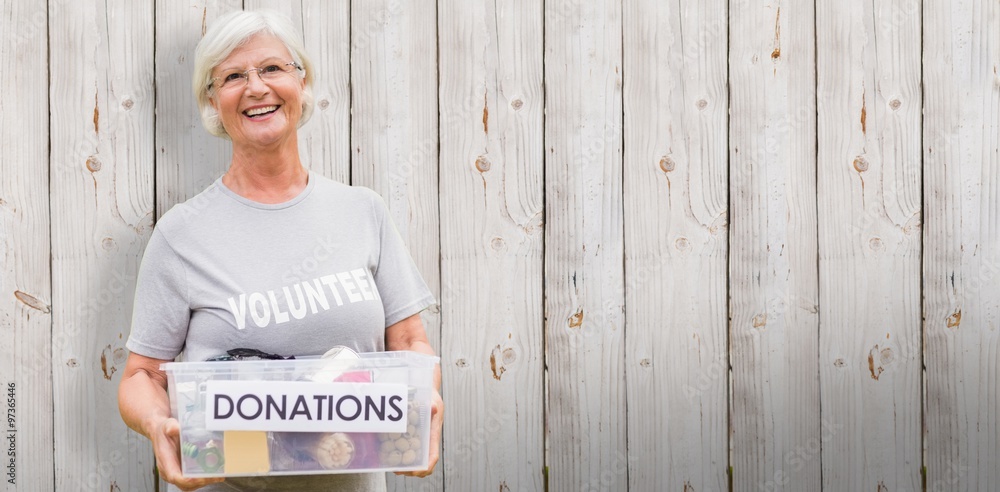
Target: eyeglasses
236	79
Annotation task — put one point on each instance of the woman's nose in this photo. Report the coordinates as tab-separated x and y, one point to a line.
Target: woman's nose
255	84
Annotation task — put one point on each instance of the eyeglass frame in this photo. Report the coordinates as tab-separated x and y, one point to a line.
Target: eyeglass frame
213	89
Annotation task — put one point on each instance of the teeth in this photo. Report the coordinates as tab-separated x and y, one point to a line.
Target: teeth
257	111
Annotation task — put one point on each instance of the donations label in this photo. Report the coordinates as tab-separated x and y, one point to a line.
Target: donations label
303	406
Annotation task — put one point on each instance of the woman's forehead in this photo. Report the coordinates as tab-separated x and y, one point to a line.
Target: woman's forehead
256	48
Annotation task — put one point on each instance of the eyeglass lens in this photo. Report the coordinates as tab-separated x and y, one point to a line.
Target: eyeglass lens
269	71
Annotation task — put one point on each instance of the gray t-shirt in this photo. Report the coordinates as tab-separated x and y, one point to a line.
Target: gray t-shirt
296	278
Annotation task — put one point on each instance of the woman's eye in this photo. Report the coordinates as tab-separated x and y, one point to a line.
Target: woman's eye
233	77
271	69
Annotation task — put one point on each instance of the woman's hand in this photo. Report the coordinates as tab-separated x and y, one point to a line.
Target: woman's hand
165	436
145	407
409	334
437	421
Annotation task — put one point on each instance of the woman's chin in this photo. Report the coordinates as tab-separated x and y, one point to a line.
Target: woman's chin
263	133
261	137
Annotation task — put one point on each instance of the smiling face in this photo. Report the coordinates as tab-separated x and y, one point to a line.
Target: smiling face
260	114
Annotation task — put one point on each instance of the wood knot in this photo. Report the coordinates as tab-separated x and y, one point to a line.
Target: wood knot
894	104
875	371
93	164
838	363
955	319
127	103
108	244
323	104
462	363
509	356
885	356
860	164
497	369
497	243
875	244
119	355
645	363
109	365
516	104
701	104
760	320
682	244
876	368
576	319
667	164
483	164
32	301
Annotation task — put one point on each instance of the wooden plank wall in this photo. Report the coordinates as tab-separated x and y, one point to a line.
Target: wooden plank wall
491	202
584	248
961	263
676	223
868	179
101	198
694	246
773	252
26	340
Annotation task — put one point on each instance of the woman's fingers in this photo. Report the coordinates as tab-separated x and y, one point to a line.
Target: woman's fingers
166	446
437	422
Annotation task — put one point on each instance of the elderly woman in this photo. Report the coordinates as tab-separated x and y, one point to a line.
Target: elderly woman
224	270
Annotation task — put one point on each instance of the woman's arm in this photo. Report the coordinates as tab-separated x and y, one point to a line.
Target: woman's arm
145	407
409	334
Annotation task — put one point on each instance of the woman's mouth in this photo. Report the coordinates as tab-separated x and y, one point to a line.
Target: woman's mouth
260	112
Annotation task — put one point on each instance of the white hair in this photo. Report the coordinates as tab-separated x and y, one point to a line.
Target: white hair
228	33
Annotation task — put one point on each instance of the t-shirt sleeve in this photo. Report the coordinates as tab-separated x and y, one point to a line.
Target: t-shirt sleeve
403	291
161	311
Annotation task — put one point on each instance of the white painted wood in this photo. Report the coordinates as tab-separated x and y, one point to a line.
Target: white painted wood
868	92
675	189
324	141
394	137
101	62
962	243
776	436
491	111
25	289
655	158
188	158
584	248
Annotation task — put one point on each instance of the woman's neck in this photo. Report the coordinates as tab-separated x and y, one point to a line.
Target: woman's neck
266	177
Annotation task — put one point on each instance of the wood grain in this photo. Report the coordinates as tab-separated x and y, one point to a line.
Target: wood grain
961	138
491	110
25	277
868	92
676	228
584	248
775	409
101	62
